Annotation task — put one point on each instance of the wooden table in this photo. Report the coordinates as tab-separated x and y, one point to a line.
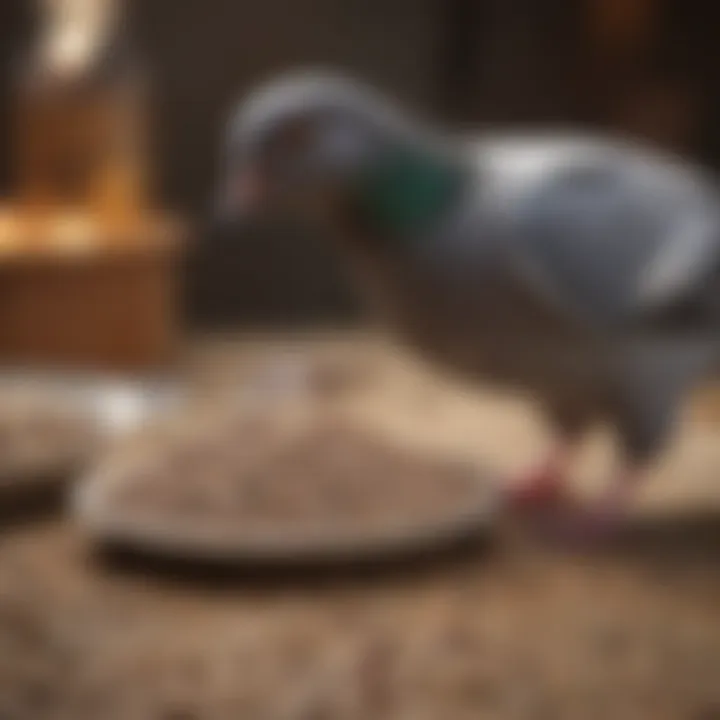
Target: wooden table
508	632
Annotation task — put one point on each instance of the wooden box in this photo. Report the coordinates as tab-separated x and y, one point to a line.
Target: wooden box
106	305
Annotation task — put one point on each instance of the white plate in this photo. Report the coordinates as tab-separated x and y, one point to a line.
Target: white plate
187	540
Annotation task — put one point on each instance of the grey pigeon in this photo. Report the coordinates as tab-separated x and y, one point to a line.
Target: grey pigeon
584	270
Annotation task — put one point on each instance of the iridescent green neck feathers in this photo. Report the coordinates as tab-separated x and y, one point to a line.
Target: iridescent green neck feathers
407	191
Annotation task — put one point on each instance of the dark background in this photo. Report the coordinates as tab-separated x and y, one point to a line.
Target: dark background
649	67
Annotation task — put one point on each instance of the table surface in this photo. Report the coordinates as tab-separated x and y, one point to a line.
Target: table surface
516	630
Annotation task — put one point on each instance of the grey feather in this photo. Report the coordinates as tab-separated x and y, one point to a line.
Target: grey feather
611	232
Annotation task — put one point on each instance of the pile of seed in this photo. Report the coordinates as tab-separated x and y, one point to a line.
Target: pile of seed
321	477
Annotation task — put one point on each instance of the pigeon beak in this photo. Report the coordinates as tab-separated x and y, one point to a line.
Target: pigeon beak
243	197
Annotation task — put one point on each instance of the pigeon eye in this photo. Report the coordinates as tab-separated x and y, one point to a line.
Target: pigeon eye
294	138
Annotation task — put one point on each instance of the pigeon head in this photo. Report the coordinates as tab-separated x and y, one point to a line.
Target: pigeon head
297	142
316	145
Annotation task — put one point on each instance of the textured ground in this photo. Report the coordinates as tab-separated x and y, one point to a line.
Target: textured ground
510	630
505	633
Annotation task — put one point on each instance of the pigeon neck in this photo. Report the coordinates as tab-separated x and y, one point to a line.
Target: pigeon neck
406	190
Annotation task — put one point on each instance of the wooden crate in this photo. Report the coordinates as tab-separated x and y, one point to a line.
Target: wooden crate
110	306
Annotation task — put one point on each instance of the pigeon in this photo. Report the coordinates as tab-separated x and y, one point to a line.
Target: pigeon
581	270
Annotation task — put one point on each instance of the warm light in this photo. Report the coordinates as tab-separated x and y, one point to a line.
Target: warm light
8	233
77	32
74	231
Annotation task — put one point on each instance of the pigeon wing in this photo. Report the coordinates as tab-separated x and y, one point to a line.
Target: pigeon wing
612	241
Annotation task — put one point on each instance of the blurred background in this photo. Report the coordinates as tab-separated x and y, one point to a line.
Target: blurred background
642	66
109	259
